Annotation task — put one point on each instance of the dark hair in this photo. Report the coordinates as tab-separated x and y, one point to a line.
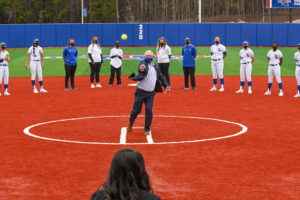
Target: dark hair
126	177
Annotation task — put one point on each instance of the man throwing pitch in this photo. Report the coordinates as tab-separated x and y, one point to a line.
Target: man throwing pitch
149	81
275	62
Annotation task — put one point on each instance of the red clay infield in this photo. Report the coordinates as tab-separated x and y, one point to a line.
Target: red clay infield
263	163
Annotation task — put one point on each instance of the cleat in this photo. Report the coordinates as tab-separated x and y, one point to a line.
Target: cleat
0	94
129	128
6	93
185	88
221	89
193	88
147	133
43	90
66	89
110	85
249	91
213	89
268	92
98	85
73	88
297	95
120	85
35	91
280	94
239	91
92	86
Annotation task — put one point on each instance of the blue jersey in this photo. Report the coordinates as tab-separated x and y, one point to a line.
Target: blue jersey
189	53
70	53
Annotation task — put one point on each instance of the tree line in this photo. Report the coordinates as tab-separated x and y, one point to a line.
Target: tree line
137	11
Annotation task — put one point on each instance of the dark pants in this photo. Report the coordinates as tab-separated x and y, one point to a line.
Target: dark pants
95	70
141	97
113	71
70	73
189	72
164	68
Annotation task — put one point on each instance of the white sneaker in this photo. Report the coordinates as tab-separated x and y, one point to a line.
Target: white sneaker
297	95
98	85
92	86
6	93
43	90
268	92
249	91
280	94
239	91
213	89
0	94
221	89
35	91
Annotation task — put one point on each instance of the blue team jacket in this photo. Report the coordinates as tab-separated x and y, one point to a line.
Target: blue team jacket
189	53
70	54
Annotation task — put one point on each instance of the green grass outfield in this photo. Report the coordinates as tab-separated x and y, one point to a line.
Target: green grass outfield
55	67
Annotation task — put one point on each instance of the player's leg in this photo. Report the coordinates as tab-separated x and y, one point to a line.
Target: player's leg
112	75
68	71
98	68
72	76
192	77
1	76
139	97
214	75
270	80
119	83
297	73
167	76
148	111
249	78
92	75
278	78
33	69
186	78
220	69
6	75
242	78
40	76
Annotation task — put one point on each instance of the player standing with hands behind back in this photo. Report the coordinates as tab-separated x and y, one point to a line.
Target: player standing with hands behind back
95	61
4	72
218	54
70	59
275	62
36	56
247	58
297	72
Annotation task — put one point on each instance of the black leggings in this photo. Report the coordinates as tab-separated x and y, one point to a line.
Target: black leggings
70	73
189	72
164	68
114	71
95	70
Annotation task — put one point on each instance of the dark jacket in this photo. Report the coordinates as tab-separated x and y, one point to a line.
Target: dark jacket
98	195
161	81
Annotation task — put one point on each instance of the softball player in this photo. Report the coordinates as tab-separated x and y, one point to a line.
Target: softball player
218	54
4	72
275	61
247	58
36	53
297	72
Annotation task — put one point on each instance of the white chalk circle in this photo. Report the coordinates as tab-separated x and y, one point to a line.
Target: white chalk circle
242	131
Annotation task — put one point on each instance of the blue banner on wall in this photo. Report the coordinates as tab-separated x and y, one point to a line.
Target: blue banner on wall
283	3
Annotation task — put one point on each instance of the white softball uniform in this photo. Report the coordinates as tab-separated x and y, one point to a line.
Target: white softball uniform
4	71
246	63
217	62
35	62
163	54
96	52
297	71
274	67
116	62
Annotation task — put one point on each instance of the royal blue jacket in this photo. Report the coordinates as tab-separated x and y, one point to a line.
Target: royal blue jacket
70	53
189	53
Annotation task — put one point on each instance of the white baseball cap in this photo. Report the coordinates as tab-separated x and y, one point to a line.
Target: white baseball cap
2	44
36	40
246	42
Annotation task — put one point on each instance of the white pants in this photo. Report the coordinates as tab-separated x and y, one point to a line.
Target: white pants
274	70
245	71
217	68
35	67
297	72
4	73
